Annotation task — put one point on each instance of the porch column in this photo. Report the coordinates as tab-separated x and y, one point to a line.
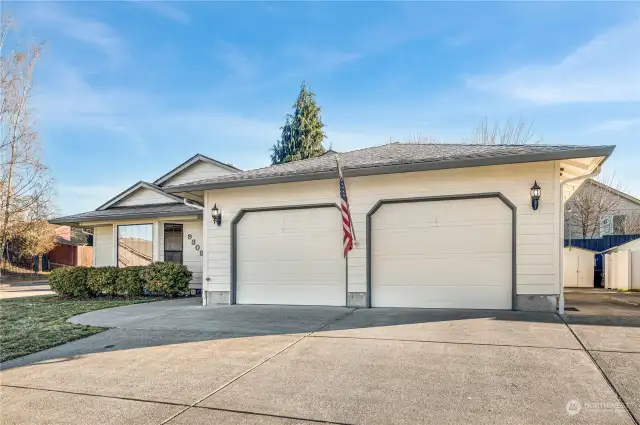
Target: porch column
156	240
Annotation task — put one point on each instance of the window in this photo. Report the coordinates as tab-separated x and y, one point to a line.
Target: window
618	224
135	245
173	243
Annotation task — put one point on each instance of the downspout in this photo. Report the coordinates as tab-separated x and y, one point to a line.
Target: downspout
561	253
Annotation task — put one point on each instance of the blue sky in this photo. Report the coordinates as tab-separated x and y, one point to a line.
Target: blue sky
125	91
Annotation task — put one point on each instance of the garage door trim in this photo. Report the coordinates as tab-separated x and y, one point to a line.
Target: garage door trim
467	196
234	236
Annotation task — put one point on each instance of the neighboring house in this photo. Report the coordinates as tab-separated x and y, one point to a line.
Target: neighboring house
73	236
73	248
598	210
437	226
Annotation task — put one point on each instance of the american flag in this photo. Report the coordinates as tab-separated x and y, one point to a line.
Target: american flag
347	235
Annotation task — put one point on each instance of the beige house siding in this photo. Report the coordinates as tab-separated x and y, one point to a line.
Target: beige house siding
144	196
191	256
537	231
198	171
103	246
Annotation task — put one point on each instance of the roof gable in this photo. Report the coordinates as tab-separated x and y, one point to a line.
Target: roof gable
141	193
197	167
615	191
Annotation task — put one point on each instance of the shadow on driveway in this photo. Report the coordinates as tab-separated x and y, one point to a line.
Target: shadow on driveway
185	320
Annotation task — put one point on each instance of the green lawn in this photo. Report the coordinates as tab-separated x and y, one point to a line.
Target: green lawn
31	324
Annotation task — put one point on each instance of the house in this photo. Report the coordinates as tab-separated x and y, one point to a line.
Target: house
437	226
622	266
597	210
73	235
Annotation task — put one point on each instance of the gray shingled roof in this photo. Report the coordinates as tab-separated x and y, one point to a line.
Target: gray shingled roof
395	158
119	213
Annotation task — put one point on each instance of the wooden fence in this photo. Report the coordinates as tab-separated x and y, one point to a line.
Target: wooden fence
71	255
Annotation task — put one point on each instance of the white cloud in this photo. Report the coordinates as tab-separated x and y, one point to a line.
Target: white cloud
618	125
318	59
605	69
168	10
242	65
54	16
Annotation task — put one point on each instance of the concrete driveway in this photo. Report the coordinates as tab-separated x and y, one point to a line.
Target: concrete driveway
178	363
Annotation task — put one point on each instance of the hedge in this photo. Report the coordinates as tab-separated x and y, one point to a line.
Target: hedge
102	280
70	282
158	278
167	278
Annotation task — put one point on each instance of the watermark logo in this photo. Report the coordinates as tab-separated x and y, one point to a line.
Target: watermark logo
576	406
573	407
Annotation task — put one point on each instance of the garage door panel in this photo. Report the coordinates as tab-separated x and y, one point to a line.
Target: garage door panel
442	240
438	271
294	221
305	247
444	297
443	254
417	214
306	295
309	271
291	257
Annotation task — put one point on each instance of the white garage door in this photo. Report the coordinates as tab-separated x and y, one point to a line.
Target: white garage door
442	254
291	257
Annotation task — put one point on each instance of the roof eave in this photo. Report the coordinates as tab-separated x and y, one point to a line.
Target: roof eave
76	221
128	191
600	151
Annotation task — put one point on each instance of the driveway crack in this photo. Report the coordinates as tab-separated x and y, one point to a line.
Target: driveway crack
604	375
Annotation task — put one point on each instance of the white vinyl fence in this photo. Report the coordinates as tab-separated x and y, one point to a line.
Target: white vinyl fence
622	270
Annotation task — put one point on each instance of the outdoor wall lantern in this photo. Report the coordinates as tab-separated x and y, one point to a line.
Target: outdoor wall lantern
535	195
216	215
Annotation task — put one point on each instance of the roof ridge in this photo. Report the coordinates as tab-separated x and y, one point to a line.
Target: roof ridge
148	205
495	144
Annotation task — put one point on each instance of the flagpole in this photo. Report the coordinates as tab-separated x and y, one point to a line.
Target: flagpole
353	231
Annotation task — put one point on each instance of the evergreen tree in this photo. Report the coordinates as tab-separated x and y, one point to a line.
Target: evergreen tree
302	133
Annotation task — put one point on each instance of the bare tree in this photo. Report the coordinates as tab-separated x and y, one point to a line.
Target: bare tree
418	138
632	223
508	133
590	204
26	188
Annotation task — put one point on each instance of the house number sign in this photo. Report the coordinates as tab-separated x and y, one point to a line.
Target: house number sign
194	243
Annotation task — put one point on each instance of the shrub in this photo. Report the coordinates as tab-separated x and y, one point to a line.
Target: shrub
167	278
102	280
70	282
130	281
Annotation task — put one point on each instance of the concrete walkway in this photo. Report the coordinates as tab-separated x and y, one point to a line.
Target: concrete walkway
17	289
179	363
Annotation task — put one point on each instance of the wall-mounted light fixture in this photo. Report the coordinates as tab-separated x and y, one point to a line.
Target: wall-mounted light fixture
535	195
216	215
